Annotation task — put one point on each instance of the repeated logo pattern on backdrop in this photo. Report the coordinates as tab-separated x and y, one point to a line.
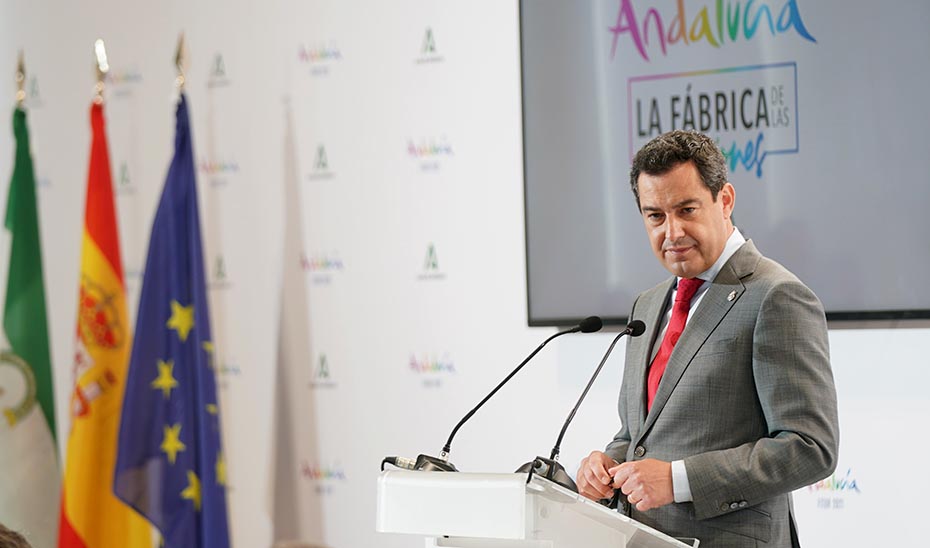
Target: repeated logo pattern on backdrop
834	492
432	368
322	267
320	58
321	169
431	270
430	152
429	53
123	81
218	76
322	375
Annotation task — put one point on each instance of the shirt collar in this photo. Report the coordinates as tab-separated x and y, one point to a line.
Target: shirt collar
734	242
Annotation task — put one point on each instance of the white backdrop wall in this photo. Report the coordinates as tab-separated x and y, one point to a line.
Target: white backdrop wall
360	172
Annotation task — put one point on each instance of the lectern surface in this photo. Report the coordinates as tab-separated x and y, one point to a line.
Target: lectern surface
503	510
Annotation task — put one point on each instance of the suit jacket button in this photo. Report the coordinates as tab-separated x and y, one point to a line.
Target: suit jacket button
734	505
724	507
639	451
743	504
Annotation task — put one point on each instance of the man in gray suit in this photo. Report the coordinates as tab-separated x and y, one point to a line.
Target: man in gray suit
728	402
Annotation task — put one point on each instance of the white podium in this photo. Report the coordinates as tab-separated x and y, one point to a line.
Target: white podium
462	510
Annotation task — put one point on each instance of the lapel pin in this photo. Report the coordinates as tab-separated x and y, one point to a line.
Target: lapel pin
731	296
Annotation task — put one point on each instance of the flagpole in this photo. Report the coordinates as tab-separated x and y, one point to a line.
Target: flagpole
179	61
102	67
20	81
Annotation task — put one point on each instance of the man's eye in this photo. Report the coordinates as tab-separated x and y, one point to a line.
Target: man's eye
688	210
655	216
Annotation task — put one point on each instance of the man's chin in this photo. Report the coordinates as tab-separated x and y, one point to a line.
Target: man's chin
681	269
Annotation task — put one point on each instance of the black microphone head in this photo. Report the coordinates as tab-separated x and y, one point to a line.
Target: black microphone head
636	328
592	324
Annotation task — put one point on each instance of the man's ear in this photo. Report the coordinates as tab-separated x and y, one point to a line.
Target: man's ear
727	197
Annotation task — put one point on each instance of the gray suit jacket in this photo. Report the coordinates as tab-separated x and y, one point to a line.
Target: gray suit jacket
747	401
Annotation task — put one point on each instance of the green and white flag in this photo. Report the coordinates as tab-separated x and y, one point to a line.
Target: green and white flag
29	475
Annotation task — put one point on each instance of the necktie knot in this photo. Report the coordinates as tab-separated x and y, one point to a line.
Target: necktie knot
687	287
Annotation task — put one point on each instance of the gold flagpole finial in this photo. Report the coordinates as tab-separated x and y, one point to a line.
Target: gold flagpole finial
103	67
20	80
179	61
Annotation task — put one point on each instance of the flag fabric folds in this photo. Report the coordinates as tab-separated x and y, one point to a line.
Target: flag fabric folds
28	456
170	464
91	515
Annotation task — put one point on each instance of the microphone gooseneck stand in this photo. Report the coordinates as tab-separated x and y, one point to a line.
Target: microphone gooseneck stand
550	468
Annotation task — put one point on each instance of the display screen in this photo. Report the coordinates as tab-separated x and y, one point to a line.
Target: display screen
819	106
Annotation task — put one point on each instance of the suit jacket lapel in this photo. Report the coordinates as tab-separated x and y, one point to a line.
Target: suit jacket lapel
654	308
714	306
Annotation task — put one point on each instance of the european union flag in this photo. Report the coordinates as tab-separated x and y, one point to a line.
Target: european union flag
170	464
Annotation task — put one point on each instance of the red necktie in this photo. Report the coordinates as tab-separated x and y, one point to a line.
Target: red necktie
687	287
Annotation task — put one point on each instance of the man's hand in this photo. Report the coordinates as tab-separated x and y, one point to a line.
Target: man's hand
646	483
594	479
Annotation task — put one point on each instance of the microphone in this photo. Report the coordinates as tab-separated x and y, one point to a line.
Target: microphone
428	463
550	468
591	324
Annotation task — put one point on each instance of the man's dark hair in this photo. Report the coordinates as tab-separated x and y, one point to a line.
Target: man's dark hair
11	539
677	147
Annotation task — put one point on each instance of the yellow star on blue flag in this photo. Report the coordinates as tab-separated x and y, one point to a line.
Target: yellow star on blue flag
165	380
181	320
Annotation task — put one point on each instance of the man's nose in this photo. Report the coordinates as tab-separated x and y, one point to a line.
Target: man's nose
674	229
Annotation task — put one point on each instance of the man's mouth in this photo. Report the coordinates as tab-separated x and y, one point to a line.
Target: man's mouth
678	251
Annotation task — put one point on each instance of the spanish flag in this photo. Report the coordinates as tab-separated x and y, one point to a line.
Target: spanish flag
91	515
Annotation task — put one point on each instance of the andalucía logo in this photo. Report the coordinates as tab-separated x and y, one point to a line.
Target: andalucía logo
219	171
33	97
321	169
428	151
319	57
219	278
428	51
218	76
832	492
322	376
124	183
726	22
316	472
124	81
321	266
215	167
431	269
124	76
432	369
321	262
322	476
228	369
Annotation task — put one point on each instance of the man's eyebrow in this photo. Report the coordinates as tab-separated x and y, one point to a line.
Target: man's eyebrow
683	203
688	202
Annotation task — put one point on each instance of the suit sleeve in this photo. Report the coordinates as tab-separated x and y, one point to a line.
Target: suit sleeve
795	388
617	448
